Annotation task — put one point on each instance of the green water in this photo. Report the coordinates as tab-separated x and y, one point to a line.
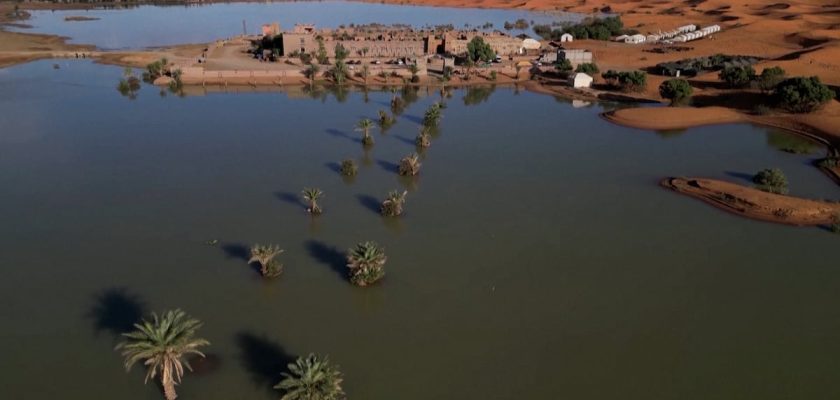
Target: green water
537	259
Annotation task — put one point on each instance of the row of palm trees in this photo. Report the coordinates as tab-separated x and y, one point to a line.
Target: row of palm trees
165	343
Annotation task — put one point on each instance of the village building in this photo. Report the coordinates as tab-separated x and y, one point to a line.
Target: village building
575	56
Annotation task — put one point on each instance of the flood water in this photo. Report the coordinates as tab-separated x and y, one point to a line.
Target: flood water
537	259
148	26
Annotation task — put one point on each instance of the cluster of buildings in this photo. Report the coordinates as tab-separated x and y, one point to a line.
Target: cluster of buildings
679	35
390	42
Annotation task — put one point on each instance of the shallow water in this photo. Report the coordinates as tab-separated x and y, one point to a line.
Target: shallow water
148	26
538	258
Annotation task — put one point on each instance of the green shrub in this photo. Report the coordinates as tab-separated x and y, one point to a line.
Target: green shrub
770	78
563	65
771	180
676	90
587	68
626	80
761	109
737	76
802	95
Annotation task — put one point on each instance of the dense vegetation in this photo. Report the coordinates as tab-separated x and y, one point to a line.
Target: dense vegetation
587	68
737	76
694	66
771	180
677	90
366	262
265	256
630	81
590	28
802	95
479	50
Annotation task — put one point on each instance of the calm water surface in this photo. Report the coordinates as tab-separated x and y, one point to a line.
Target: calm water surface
148	26
538	259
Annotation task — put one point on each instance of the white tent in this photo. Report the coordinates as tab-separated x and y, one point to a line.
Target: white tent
566	37
531	44
580	80
635	39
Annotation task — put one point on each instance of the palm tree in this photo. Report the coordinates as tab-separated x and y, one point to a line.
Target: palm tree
312	73
364	126
365	72
432	115
392	206
161	344
367	263
410	165
311	378
264	255
414	69
339	72
311	195
349	167
385	120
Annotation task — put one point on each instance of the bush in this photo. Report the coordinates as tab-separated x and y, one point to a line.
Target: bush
563	65
737	76
676	90
802	95
761	109
626	81
415	79
478	49
829	162
493	75
770	78
587	68
771	180
349	168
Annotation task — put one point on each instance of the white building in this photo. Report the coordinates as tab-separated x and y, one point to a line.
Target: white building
635	39
580	80
621	38
567	37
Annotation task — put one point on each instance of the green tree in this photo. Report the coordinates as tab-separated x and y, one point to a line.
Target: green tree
366	262
321	54
265	256
311	378
770	78
311	72
161	345
563	65
341	52
478	49
676	90
339	72
802	95
771	180
737	76
432	115
364	126
311	196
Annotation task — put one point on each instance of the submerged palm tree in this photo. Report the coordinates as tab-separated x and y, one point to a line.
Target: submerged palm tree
349	167
264	255
311	378
311	195
423	139
364	126
161	344
367	263
392	206
385	120
432	115
410	165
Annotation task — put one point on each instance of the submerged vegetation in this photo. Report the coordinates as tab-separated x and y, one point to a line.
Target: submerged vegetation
392	206
366	262
349	168
311	378
162	345
364	126
265	256
410	165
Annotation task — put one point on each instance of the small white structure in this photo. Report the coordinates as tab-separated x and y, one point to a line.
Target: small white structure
687	28
580	80
567	37
621	38
635	39
531	44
